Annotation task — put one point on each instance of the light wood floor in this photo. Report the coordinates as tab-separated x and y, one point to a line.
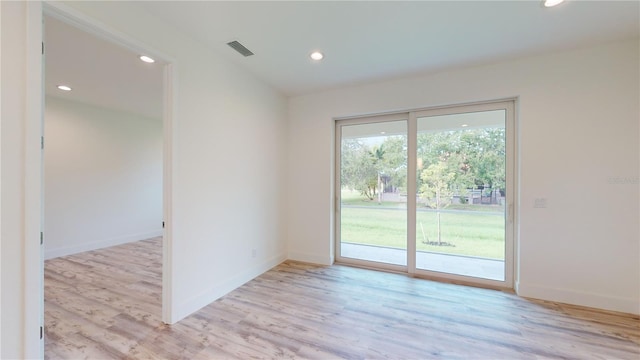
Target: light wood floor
105	304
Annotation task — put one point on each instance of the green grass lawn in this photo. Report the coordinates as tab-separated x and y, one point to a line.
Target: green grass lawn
473	234
353	198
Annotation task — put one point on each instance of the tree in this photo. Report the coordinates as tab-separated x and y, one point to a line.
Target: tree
394	162
349	156
475	157
478	155
377	155
488	160
368	168
361	167
436	188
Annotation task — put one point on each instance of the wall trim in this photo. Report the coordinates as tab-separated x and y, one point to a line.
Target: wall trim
568	296
311	258
99	244
221	289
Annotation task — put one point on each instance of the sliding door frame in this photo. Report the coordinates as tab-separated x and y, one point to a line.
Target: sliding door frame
511	199
339	123
509	255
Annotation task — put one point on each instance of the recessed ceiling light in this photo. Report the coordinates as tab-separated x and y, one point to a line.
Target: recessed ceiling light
64	88
551	3
465	125
316	55
147	59
383	132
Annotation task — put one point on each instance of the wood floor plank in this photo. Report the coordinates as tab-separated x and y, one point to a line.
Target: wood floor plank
105	304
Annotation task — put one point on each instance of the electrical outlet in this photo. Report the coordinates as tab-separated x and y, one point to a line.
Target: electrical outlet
254	253
540	203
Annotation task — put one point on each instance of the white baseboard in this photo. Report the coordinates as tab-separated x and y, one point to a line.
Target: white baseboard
219	290
95	245
568	296
310	258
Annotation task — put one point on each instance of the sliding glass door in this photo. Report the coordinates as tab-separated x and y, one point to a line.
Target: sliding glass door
373	191
429	192
462	192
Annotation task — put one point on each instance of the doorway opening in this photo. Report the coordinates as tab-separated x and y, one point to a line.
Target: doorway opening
429	192
34	172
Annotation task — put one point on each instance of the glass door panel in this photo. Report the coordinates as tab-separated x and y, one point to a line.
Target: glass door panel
373	192
461	190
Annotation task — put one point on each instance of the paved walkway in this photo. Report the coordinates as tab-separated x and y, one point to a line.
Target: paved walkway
452	264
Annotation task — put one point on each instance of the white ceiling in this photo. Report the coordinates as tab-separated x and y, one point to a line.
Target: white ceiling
363	41
99	72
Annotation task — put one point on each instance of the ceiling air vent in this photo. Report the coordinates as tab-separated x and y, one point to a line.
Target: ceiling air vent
240	48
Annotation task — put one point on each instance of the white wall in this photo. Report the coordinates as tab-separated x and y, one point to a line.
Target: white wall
0	184
578	115
229	165
103	177
13	36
